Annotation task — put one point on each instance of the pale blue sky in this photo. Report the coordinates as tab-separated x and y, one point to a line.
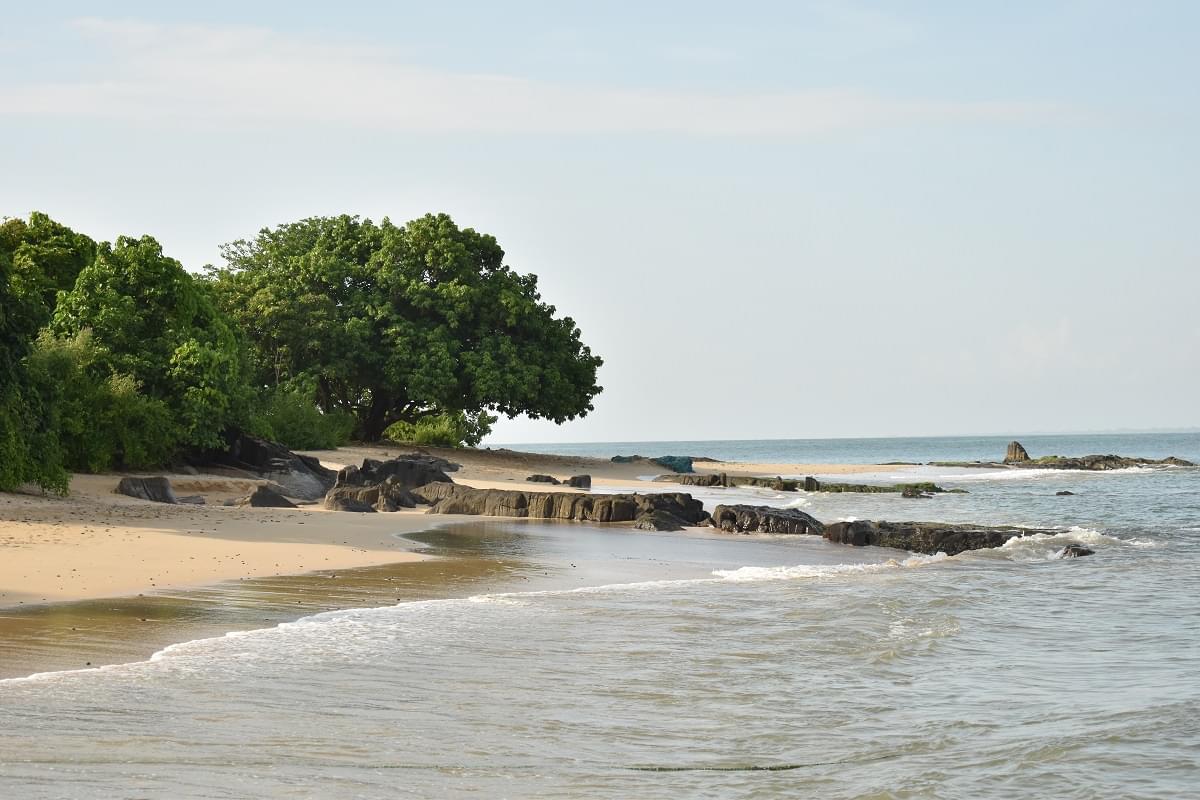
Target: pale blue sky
772	220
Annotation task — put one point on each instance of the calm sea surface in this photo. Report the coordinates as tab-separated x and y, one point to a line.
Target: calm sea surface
609	663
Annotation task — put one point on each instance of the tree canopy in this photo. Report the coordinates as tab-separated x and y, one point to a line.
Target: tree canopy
402	323
152	321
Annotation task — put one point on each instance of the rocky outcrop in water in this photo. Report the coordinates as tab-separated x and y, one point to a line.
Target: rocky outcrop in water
1018	458
654	511
723	479
1099	463
809	484
156	489
1076	551
917	537
764	519
924	537
1015	454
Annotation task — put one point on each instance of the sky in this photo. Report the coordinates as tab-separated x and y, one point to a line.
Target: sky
771	219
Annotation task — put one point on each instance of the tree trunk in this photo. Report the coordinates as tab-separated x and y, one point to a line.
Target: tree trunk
375	421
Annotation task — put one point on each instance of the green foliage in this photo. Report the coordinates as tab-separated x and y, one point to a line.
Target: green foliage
291	417
456	429
155	324
101	420
28	452
399	324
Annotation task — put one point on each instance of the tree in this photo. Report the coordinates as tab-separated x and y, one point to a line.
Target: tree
399	324
38	258
155	326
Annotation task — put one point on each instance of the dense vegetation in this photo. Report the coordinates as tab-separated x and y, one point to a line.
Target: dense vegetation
114	356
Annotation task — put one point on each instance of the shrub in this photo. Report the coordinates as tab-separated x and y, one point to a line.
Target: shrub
290	416
443	430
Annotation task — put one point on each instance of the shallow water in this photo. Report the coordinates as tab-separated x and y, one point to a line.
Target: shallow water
608	663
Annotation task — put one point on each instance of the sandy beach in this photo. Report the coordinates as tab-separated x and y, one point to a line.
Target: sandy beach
96	543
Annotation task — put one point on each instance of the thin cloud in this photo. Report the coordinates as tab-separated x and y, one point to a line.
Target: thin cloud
237	74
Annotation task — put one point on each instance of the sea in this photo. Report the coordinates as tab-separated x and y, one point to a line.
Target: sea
609	663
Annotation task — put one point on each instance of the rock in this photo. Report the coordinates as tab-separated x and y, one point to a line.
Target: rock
1064	493
924	537
674	463
266	497
658	521
750	519
388	495
1015	454
580	481
543	479
338	503
924	489
449	498
385	485
409	471
191	500
300	476
1101	463
722	479
1076	551
156	489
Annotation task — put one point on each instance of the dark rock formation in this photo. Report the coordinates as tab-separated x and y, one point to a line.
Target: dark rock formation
917	537
913	492
750	519
1015	454
342	503
1064	493
300	476
725	480
659	520
924	537
156	489
673	463
1076	551
266	497
449	498
1101	463
580	481
543	479
384	485
923	489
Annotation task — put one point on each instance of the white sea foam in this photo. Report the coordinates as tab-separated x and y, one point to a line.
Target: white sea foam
1048	547
784	573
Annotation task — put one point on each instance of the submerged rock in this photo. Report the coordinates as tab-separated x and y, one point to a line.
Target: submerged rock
1064	493
156	489
1076	551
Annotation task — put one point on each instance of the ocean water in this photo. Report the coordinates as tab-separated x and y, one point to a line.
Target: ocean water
611	663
